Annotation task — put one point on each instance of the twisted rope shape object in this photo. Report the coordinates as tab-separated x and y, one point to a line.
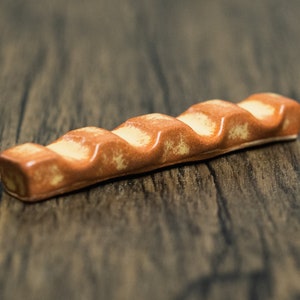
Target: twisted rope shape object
85	156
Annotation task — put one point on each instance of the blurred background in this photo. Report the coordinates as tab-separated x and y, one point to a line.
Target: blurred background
142	56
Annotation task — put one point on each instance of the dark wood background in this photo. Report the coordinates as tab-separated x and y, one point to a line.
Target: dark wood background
227	228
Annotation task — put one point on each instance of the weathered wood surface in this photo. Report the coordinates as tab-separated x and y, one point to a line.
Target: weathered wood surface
228	228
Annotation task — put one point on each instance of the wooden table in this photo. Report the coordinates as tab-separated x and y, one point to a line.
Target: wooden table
227	228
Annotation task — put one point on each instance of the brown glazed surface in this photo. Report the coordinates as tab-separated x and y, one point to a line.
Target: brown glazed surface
85	156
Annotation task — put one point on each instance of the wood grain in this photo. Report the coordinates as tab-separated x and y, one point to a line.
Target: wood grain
227	228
